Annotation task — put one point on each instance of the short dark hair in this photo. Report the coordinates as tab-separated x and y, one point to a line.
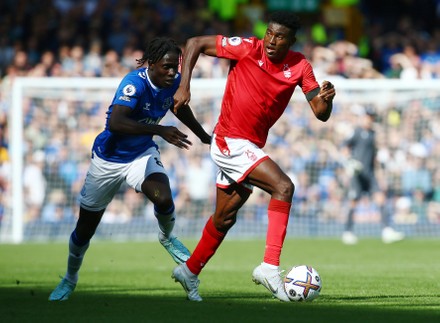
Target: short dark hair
287	19
158	48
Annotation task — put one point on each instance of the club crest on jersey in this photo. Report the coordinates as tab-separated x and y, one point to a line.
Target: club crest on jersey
167	103
286	71
234	41
129	90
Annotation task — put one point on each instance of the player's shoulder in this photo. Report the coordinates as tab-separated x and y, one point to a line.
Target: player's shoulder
139	75
137	78
227	41
296	56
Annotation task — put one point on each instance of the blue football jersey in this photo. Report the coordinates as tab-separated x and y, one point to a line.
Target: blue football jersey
149	105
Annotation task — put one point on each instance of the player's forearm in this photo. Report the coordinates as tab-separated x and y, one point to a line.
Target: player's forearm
322	103
193	48
325	111
321	108
190	57
131	127
186	116
198	130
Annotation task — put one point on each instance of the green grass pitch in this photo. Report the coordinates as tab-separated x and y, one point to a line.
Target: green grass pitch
130	282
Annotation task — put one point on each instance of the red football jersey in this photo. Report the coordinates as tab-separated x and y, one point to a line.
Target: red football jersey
257	91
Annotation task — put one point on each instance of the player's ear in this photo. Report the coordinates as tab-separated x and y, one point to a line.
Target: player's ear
292	40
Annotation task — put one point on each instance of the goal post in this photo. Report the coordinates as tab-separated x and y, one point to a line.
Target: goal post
52	122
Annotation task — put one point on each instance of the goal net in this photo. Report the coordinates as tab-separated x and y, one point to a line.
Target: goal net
53	122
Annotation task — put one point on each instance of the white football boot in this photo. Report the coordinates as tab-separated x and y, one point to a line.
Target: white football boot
188	280
349	238
271	279
389	235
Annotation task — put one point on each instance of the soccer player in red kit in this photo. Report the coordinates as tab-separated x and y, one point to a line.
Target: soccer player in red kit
261	81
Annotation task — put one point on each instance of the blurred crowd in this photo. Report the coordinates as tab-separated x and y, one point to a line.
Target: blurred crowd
104	37
95	38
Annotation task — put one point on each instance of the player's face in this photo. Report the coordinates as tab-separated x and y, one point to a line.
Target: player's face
277	42
163	72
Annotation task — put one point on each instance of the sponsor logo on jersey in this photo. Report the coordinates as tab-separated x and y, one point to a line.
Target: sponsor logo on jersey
150	120
124	98
234	41
260	62
129	90
147	106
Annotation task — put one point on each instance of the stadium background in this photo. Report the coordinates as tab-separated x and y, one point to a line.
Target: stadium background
372	40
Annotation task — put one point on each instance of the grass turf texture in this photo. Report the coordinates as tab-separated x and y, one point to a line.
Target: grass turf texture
130	282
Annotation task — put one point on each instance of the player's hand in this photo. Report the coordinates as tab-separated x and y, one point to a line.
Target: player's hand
175	137
206	139
327	92
181	98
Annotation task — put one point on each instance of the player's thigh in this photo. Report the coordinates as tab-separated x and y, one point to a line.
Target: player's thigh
142	168
102	181
271	178
235	158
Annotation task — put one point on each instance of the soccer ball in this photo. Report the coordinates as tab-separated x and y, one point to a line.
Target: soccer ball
302	283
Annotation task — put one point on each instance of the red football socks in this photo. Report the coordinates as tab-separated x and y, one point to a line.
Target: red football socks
207	246
278	214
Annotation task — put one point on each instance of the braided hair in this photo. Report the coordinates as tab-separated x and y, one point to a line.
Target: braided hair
158	48
287	19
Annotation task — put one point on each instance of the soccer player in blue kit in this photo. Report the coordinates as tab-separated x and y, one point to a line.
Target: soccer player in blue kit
126	152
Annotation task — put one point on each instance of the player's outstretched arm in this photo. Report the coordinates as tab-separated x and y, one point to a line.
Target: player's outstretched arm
193	48
186	116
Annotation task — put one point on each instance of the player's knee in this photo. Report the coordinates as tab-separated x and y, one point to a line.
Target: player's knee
87	223
223	224
286	188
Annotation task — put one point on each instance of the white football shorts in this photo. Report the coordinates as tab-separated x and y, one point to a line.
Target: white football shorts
104	178
235	158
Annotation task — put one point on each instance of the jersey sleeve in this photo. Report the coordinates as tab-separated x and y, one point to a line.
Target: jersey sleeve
309	82
234	48
128	92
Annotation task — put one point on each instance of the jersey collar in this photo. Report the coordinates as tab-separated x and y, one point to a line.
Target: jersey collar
154	87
